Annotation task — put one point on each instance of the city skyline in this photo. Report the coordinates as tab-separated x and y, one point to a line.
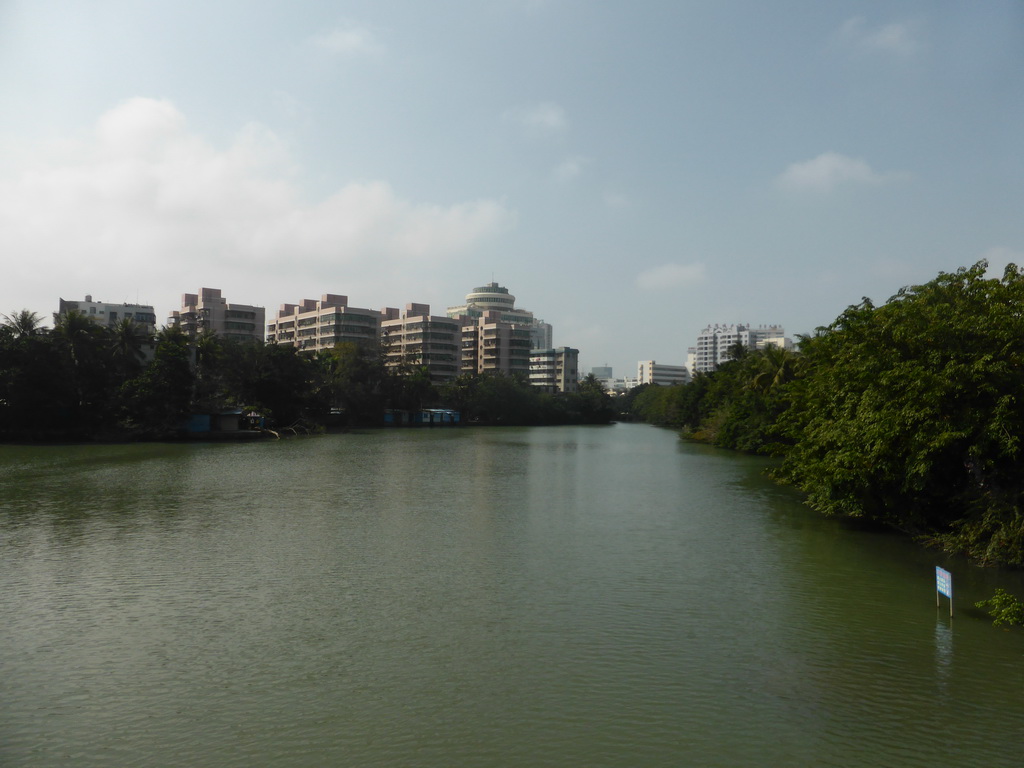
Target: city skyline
632	173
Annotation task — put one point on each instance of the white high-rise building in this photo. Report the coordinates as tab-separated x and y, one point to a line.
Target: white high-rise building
650	372
714	343
104	313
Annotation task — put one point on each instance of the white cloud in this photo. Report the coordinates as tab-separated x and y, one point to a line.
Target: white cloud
570	168
899	38
544	119
669	276
831	169
148	201
348	39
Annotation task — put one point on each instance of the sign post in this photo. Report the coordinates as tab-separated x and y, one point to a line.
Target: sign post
944	586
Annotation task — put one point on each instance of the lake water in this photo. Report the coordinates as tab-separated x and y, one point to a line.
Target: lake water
565	596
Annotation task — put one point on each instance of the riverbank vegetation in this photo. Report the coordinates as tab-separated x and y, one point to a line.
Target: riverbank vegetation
1005	609
908	413
82	381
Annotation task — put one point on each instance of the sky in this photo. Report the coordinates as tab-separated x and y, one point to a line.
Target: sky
631	171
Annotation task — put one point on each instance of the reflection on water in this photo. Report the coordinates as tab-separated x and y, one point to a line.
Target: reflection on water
943	653
562	596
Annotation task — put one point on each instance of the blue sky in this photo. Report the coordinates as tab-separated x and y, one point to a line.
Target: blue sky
630	171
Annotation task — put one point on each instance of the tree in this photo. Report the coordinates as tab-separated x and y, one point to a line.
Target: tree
410	388
590	404
910	414
158	400
356	381
86	364
496	398
23	324
1005	609
210	356
776	367
275	379
36	398
737	351
126	339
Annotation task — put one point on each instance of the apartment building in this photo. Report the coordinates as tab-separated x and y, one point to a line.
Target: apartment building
496	298
106	314
555	370
208	310
416	338
651	372
492	345
320	324
715	342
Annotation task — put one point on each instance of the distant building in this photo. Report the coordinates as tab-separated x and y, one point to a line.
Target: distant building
651	372
555	370
541	335
715	343
105	314
414	337
209	311
619	386
492	345
315	325
602	371
496	298
773	340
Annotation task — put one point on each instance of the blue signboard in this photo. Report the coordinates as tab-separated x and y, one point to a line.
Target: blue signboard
944	582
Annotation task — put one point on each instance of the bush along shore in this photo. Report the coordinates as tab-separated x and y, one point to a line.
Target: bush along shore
82	381
909	414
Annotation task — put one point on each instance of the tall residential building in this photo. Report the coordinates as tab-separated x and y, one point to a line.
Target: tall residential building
541	335
651	372
492	345
714	343
414	337
555	370
495	298
102	313
209	311
315	325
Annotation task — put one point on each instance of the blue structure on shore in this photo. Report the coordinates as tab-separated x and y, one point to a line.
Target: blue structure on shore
426	417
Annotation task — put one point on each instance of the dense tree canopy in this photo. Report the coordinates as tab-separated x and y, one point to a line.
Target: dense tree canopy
85	381
912	413
909	413
736	406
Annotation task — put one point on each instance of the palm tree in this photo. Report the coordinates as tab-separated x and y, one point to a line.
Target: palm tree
77	334
80	338
125	339
209	354
737	351
776	366
24	323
